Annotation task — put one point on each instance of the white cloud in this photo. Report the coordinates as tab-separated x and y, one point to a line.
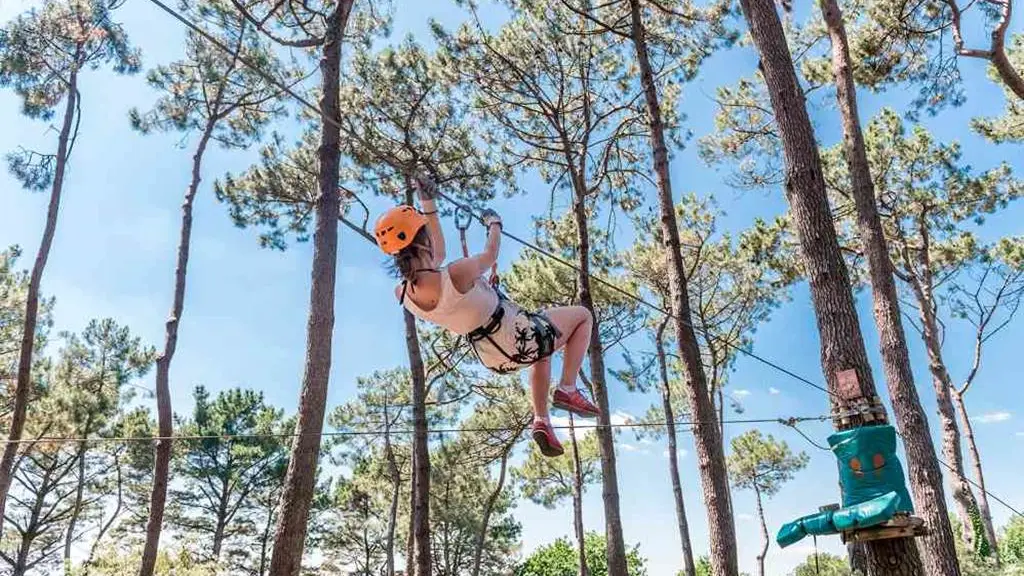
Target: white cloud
1020	434
745	517
627	447
586	426
993	417
741	393
774	391
618	418
681	452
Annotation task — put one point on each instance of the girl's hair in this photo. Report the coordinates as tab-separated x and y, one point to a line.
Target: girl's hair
405	263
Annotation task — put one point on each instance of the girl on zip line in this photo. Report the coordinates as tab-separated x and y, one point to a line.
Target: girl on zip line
456	297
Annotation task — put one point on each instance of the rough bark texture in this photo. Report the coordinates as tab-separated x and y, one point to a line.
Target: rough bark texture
842	345
972	450
165	424
764	532
890	557
485	523
577	500
616	550
421	554
689	568
952	451
925	478
23	385
410	534
706	433
421	453
300	480
1007	73
396	490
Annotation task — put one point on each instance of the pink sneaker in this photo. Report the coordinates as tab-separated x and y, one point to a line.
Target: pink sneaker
546	440
575	402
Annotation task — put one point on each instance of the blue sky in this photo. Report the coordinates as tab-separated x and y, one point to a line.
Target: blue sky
245	314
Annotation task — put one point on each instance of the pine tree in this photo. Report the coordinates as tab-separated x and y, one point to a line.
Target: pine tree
217	96
317	27
61	488
219	477
732	286
929	199
842	344
938	547
762	464
42	55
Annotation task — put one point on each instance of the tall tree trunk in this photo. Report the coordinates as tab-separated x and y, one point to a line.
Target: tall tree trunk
32	527
165	425
396	488
222	521
764	532
842	345
577	499
421	447
938	548
268	528
616	547
706	432
952	452
300	480
689	569
972	449
410	540
76	509
23	386
481	538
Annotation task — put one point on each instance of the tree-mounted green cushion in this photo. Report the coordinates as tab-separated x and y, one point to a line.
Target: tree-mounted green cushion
869	467
862	515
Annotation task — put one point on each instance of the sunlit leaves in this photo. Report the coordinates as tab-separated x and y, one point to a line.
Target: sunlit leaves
39	49
762	463
215	91
1010	126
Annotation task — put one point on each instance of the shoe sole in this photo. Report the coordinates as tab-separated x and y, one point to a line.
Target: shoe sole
576	411
546	448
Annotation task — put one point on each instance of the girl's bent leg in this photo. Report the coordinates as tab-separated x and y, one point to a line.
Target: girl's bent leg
575	323
540	383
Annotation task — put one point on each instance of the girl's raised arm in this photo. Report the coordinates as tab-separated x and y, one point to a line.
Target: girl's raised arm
465	271
426	190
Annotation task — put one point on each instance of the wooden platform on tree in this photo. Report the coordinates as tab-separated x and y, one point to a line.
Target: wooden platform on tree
901	526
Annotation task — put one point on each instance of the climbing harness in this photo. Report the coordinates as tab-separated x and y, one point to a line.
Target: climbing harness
527	327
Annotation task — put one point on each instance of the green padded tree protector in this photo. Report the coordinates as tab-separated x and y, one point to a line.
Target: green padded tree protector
872	482
862	515
868	465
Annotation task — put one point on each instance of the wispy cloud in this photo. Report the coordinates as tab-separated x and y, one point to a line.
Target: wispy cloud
774	391
741	393
744	517
681	452
585	426
1020	434
993	417
618	418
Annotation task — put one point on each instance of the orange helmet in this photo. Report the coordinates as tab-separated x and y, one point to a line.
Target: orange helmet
397	227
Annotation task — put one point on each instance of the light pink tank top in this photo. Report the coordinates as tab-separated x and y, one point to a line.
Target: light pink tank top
458	313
